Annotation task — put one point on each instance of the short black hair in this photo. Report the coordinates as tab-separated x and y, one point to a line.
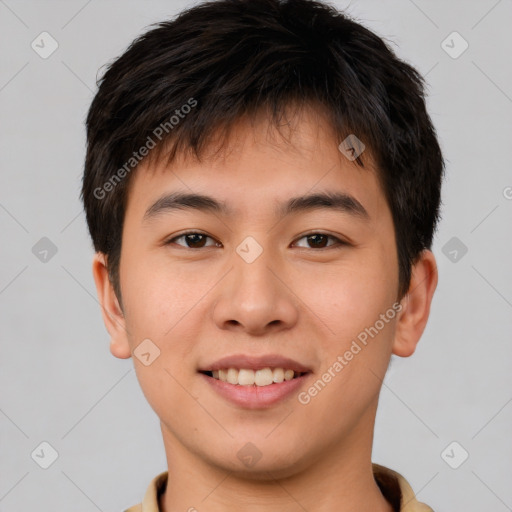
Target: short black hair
188	79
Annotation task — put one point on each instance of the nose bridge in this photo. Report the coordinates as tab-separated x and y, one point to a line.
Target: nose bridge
255	284
251	259
253	298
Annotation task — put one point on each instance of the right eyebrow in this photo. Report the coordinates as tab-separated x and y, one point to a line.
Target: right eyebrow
183	201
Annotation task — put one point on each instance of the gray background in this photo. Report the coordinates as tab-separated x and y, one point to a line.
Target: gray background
60	384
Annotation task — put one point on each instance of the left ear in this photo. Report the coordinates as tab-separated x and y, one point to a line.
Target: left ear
413	317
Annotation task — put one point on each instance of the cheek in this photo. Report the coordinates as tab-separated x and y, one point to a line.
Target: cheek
157	295
354	296
157	305
352	302
355	362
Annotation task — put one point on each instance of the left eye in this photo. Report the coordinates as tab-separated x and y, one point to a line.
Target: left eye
320	240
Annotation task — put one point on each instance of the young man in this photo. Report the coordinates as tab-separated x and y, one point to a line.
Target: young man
262	185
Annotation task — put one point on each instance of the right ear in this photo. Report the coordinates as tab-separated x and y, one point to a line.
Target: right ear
113	316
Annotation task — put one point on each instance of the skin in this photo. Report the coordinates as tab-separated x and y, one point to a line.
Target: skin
296	299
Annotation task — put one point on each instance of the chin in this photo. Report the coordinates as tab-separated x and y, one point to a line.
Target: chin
263	469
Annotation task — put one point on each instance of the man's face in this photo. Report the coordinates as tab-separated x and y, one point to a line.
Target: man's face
256	280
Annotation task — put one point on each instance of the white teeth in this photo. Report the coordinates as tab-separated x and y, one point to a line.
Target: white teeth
288	374
247	377
244	378
263	377
232	376
278	375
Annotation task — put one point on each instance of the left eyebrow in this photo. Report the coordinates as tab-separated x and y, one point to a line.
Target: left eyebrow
339	201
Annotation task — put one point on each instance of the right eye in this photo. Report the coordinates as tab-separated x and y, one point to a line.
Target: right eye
193	240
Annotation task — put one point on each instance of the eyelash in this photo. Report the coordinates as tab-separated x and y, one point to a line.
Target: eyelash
339	243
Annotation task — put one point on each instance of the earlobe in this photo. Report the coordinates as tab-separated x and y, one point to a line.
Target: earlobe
415	311
113	316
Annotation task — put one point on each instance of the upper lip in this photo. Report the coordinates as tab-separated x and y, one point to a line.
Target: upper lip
242	361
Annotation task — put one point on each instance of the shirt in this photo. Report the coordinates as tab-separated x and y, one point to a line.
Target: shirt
393	486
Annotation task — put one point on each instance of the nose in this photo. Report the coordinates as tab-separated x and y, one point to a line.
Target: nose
255	298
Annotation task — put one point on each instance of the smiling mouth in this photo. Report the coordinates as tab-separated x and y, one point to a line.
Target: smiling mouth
254	378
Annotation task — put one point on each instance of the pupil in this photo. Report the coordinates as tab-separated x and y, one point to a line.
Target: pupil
314	239
195	240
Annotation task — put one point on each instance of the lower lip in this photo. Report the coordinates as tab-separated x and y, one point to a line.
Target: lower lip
256	397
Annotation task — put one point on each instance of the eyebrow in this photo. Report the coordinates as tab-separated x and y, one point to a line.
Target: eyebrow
339	201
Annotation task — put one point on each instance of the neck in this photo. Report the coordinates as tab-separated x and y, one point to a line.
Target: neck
338	479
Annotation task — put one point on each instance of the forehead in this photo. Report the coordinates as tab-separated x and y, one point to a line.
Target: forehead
259	166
